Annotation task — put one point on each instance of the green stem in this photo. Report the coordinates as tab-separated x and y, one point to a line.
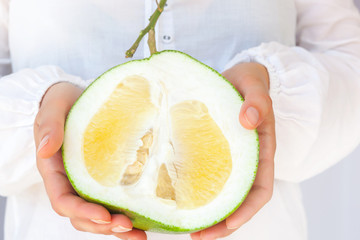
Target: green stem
150	28
151	41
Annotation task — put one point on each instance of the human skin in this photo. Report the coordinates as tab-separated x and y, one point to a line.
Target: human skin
250	79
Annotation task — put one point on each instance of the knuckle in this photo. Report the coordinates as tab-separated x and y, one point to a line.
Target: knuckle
36	124
49	118
37	119
51	123
57	123
57	209
265	104
269	101
120	236
266	100
76	225
247	76
259	97
39	167
268	195
106	232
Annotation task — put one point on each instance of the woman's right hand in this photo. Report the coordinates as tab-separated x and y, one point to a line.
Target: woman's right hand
48	134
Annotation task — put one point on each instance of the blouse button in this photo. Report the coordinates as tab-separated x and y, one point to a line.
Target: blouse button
166	7
167	38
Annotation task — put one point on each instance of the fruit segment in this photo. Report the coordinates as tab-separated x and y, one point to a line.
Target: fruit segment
111	140
203	160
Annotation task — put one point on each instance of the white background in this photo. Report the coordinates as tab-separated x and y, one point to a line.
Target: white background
332	200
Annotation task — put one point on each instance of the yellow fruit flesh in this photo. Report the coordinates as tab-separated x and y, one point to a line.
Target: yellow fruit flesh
110	140
202	155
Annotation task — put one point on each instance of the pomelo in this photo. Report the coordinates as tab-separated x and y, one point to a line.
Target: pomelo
159	140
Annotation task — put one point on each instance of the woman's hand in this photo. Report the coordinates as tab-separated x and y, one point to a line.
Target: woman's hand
49	133
252	81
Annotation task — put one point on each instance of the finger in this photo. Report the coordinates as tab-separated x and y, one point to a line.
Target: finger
257	105
63	198
195	235
217	231
256	199
242	71
134	234
251	80
70	205
49	131
119	224
262	189
89	226
49	123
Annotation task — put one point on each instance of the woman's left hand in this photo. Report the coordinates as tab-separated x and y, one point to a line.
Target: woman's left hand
252	81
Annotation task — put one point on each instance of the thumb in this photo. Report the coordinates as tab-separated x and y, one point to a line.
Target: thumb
255	109
252	82
49	130
49	123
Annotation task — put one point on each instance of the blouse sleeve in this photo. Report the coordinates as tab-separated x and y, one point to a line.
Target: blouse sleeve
315	88
20	95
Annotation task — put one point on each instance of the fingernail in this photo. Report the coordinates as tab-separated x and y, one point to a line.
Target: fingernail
230	227
100	221
43	142
252	116
120	229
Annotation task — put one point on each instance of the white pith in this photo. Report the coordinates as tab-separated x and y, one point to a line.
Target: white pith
183	79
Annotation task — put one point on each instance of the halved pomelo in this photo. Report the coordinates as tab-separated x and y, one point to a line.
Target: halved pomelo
159	140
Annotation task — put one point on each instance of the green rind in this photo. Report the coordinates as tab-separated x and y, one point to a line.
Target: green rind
139	221
201	63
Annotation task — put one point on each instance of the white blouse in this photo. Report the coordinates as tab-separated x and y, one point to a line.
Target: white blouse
311	49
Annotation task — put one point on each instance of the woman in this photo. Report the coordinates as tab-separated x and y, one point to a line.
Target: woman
297	63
